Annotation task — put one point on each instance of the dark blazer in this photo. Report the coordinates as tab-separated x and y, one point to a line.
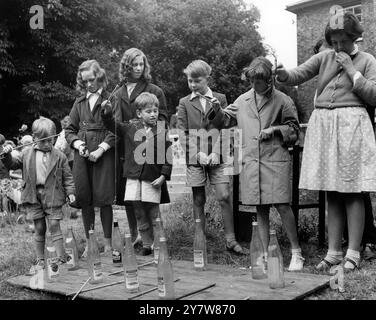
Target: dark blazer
59	182
147	155
127	105
192	116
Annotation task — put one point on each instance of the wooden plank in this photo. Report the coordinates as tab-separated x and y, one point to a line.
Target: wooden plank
232	283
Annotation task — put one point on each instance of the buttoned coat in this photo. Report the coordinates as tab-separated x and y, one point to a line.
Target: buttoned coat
95	182
195	128
59	181
265	171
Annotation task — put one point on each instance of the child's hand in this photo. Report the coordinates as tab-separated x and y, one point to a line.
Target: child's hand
106	107
213	159
281	72
266	134
7	149
157	183
216	104
72	198
83	151
202	158
95	155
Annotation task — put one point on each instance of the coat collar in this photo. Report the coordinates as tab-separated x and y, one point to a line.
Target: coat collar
30	159
250	96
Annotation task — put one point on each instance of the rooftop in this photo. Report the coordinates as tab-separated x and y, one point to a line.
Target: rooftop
303	4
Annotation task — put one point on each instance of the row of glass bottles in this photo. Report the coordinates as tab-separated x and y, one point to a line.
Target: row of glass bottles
275	273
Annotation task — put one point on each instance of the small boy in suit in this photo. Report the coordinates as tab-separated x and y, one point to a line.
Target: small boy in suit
48	182
202	147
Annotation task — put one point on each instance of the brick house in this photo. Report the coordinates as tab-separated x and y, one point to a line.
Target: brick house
312	17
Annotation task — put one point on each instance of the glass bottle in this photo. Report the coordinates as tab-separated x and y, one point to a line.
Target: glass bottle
71	250
166	287
52	266
94	260
158	233
200	258
257	254
130	266
275	263
117	246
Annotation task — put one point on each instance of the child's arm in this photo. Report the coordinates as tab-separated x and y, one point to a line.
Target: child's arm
68	183
289	128
365	85
224	118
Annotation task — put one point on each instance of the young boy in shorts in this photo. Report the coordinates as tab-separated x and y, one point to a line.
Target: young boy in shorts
202	148
48	182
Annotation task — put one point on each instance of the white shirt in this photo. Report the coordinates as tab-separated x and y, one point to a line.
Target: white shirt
93	98
130	88
208	94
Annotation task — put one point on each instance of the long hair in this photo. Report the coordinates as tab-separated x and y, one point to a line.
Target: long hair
126	67
99	73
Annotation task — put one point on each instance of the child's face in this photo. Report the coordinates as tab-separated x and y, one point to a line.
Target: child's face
149	115
137	68
341	42
199	84
259	85
45	145
90	81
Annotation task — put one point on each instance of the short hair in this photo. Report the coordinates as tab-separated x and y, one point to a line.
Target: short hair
125	68
99	73
43	127
198	68
260	68
145	100
351	27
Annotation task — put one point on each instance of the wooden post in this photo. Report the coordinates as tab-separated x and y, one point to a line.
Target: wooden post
295	183
321	218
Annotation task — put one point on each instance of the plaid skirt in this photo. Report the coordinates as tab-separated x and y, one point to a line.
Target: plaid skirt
339	151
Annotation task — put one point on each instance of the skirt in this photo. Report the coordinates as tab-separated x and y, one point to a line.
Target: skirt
137	190
339	151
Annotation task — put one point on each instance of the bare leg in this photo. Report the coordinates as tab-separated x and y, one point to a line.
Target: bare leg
263	225
106	219
199	199
355	218
288	221
336	221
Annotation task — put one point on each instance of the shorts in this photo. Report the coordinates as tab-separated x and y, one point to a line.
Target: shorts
137	190
197	175
39	210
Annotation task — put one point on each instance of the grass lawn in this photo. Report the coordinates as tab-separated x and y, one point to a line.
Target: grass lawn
17	252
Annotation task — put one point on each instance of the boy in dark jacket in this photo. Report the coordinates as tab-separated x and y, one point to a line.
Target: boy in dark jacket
147	163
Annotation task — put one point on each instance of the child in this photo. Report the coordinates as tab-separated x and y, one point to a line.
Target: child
339	148
268	122
48	181
203	157
147	163
94	158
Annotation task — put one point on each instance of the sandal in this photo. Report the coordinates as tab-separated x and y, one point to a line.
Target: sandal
350	264
235	247
325	265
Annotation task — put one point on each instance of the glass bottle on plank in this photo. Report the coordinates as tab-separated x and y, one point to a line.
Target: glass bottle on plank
257	254
130	266
71	250
94	260
166	286
52	267
200	258
117	246
275	263
158	233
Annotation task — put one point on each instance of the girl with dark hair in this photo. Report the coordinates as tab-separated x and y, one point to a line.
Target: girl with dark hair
340	150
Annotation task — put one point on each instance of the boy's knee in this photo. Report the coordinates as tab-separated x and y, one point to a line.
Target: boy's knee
54	226
223	196
39	238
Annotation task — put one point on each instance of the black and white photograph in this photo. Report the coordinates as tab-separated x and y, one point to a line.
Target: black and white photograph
216	152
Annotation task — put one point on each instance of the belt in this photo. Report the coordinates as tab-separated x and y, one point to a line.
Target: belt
331	107
91	126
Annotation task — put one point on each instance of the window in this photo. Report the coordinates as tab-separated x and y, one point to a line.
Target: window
356	10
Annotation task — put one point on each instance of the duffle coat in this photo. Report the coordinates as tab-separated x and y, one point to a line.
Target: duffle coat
95	182
265	171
